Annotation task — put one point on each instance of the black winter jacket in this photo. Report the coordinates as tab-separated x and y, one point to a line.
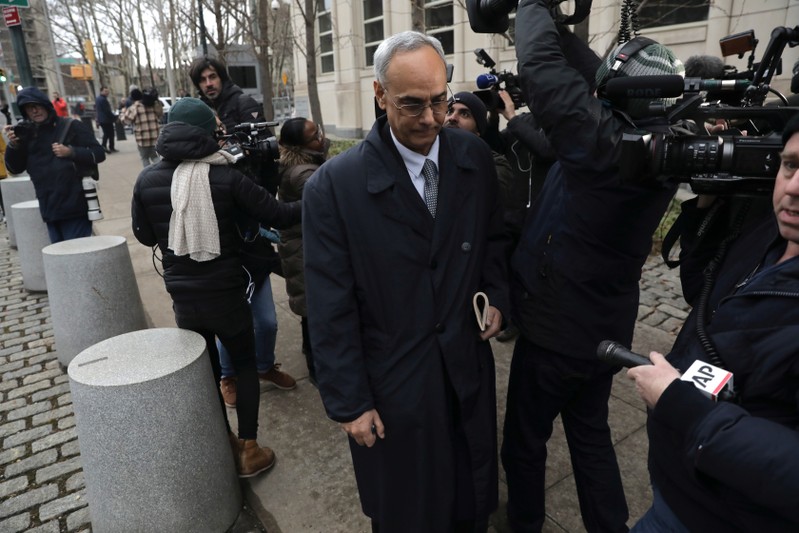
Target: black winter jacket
576	268
233	194
734	466
57	180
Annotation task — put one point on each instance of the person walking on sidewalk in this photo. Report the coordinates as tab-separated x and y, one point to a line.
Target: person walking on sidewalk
210	77
105	117
399	235
145	115
188	204
55	160
60	105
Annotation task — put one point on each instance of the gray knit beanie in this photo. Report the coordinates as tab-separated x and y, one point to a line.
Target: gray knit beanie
654	60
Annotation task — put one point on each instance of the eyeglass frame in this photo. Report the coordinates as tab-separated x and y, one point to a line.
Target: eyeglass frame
403	109
319	135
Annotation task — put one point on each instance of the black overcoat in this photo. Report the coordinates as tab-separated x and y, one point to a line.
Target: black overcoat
389	293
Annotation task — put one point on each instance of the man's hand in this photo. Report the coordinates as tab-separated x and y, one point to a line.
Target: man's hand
8	129
651	381
510	109
366	428
62	151
493	323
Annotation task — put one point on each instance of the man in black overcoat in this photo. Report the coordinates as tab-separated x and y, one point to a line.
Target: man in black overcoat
400	233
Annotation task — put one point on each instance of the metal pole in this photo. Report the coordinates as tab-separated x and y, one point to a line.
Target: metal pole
21	55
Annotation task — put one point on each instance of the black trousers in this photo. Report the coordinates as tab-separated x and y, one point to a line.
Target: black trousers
230	319
108	135
542	385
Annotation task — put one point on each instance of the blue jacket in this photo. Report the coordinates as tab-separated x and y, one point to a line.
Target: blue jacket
57	180
575	272
734	466
102	109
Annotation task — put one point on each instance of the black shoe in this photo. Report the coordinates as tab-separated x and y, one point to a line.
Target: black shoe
106	150
112	151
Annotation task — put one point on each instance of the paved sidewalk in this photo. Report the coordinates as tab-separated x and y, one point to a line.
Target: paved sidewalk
312	487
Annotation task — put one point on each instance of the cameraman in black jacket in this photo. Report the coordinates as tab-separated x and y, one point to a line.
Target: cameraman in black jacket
732	466
211	78
576	269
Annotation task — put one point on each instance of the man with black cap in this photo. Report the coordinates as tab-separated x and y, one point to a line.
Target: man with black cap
576	269
732	465
467	112
57	154
189	204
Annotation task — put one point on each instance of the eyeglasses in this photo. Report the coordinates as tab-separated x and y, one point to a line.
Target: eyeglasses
318	135
438	107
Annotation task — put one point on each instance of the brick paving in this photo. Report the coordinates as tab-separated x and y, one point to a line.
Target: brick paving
42	487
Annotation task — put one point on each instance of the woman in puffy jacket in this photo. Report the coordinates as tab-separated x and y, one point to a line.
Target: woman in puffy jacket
188	205
303	149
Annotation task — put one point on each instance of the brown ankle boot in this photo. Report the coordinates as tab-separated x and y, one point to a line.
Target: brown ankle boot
234	447
253	459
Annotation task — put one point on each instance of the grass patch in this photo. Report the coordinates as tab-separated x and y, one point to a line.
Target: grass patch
342	145
666	222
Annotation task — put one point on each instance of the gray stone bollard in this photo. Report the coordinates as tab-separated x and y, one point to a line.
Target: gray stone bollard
92	291
15	190
153	443
32	236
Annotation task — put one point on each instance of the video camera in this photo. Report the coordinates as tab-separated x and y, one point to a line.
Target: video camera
251	139
494	81
713	164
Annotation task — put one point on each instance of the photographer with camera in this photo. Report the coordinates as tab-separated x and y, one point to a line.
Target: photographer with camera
576	268
57	153
232	106
732	465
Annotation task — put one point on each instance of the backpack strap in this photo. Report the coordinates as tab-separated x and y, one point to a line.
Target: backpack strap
64	125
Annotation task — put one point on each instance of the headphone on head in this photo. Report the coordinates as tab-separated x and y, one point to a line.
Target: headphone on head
630	48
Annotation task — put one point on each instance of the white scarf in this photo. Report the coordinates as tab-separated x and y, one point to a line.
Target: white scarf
193	228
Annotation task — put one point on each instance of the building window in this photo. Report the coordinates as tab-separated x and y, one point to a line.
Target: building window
666	13
372	28
324	20
438	23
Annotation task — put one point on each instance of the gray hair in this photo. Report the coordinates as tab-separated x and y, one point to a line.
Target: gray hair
406	41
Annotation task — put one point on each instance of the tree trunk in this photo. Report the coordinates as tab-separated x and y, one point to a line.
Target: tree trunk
310	61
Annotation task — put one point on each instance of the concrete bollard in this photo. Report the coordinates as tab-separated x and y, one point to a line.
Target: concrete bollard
32	236
153	443
15	190
92	291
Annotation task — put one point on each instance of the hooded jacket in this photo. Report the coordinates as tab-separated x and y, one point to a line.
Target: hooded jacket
232	194
57	180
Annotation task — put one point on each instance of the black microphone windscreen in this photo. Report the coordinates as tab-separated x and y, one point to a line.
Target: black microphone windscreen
652	87
706	67
614	353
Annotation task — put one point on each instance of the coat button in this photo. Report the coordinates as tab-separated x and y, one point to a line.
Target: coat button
439	328
466	247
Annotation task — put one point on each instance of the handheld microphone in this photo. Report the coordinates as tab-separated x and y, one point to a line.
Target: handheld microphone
671	86
486	81
615	354
714	382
